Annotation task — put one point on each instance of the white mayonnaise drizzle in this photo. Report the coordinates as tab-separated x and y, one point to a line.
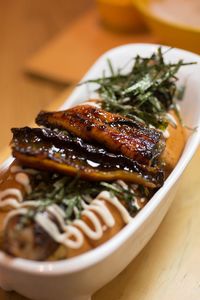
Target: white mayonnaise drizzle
15	195
172	119
101	209
96	209
97	212
10	202
166	133
105	195
73	235
173	122
24	180
11	192
62	238
92	102
13	203
16	169
123	184
137	203
16	212
93	234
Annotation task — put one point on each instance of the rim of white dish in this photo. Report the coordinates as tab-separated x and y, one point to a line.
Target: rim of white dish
96	255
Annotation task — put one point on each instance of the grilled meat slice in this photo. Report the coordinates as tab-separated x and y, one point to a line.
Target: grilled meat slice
57	151
119	134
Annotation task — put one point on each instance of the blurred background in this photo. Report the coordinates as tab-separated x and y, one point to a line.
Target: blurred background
25	26
47	46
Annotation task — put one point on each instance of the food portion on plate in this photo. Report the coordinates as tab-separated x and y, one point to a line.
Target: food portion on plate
85	172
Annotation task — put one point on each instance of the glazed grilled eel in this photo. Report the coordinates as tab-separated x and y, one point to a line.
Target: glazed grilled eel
117	133
135	147
50	149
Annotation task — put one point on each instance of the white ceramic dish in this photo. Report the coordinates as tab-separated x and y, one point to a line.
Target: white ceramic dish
78	278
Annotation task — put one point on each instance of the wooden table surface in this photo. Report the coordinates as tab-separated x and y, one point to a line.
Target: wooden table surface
168	267
24	27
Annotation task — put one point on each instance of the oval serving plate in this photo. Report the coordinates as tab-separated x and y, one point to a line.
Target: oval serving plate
78	278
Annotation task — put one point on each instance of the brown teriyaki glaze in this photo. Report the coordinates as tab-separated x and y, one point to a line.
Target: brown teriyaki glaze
118	133
43	145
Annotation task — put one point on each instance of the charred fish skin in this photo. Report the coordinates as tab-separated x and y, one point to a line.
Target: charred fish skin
49	149
117	133
61	140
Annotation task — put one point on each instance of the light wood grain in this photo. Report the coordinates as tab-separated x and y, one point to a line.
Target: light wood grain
24	27
168	267
70	54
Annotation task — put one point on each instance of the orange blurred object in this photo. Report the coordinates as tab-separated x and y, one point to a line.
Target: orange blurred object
170	30
120	15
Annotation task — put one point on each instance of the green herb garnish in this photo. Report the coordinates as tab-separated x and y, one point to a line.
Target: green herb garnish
69	193
66	191
128	195
146	93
